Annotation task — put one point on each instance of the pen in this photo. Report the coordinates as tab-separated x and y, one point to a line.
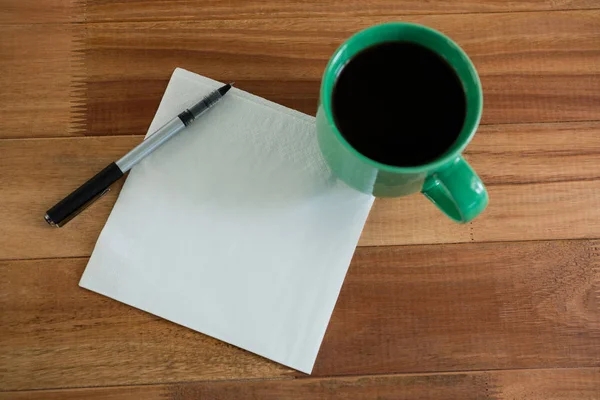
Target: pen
98	186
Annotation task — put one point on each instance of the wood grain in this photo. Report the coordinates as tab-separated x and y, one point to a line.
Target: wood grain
401	309
34	175
53	11
48	11
565	384
544	183
464	307
535	67
56	334
41	75
535	153
117	10
412	319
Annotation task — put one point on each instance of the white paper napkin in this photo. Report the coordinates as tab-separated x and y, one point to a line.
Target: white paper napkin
235	228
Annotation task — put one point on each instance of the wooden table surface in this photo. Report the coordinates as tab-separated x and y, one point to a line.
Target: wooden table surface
506	307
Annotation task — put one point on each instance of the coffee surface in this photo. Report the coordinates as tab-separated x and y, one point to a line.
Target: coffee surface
399	103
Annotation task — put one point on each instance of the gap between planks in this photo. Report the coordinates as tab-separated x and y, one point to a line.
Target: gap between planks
367	247
311	378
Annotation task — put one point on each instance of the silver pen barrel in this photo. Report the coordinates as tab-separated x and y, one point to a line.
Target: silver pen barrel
167	131
98	185
164	133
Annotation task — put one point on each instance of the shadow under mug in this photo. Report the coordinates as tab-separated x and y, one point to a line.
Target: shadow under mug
448	181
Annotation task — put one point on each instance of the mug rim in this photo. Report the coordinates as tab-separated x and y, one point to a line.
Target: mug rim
344	54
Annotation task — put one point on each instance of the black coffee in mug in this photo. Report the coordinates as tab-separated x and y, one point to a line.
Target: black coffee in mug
399	103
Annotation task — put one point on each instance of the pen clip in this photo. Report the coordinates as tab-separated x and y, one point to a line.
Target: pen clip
83	207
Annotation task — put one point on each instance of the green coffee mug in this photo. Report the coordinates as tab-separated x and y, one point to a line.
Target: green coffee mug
449	182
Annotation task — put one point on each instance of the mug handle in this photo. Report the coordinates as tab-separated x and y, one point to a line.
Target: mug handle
457	191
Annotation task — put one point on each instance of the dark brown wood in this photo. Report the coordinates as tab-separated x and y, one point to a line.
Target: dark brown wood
76	68
41	70
466	307
115	10
35	175
535	67
45	11
544	183
565	384
534	153
401	309
55	334
53	11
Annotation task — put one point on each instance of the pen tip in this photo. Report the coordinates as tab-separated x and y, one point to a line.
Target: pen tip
224	89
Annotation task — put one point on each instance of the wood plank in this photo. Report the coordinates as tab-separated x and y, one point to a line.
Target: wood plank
401	309
63	11
56	334
535	67
147	10
564	384
543	385
41	75
34	175
541	211
49	11
466	307
544	183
